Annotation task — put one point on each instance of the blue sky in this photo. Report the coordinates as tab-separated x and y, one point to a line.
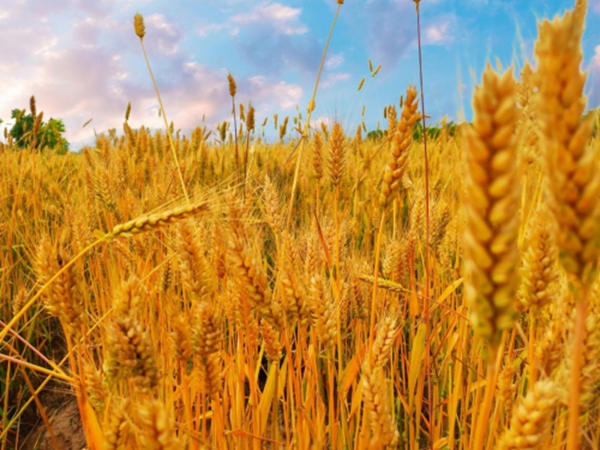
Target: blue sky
83	61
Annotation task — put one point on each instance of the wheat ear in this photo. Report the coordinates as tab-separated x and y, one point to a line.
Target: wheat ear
153	221
572	172
531	418
491	200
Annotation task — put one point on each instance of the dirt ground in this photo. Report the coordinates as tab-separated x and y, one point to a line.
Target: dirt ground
65	421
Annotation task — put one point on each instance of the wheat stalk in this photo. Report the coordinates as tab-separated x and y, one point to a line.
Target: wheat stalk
572	171
491	198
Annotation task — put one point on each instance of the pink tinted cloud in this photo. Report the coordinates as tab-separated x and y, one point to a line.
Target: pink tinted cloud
44	8
166	34
280	18
22	40
92	69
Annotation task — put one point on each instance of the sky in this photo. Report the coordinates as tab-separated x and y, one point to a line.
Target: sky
82	60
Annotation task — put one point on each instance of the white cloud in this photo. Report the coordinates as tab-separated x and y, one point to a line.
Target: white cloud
280	18
317	123
284	94
164	32
596	59
334	61
204	29
392	30
334	78
438	33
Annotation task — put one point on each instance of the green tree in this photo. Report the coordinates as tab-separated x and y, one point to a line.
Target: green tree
30	131
433	131
375	135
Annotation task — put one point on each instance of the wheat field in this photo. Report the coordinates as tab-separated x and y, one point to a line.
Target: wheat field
332	290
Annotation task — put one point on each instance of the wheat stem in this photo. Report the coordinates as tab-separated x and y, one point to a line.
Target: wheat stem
573	435
311	107
164	116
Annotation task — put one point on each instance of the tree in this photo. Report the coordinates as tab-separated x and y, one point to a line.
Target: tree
433	131
30	131
375	135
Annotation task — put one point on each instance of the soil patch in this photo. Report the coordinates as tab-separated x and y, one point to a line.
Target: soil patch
65	421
